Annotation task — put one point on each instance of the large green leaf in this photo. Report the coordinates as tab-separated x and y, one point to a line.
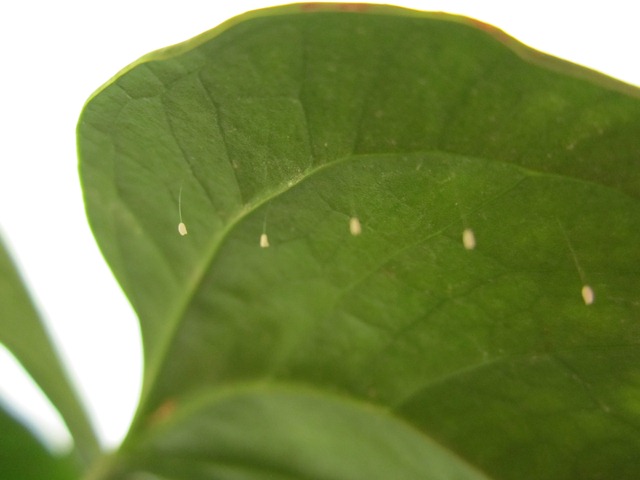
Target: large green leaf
22	332
294	120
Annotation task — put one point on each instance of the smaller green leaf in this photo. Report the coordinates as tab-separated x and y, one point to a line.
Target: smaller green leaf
22	332
282	433
22	456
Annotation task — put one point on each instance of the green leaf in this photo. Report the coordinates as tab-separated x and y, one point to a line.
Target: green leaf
222	435
22	457
292	123
23	333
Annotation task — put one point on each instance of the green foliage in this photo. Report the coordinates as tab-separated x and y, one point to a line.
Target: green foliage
22	457
397	352
22	332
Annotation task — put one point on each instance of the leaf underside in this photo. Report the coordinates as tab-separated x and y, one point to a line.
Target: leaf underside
397	351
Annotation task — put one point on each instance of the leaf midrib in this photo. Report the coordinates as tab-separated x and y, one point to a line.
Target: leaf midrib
193	287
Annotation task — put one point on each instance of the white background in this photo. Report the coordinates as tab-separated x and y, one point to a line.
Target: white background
54	55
